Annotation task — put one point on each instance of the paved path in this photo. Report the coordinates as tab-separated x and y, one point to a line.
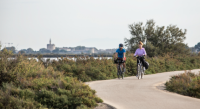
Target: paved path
131	93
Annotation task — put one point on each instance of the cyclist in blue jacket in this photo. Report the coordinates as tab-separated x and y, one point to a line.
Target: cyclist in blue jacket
120	54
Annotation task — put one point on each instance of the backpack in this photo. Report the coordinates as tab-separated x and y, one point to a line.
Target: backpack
146	64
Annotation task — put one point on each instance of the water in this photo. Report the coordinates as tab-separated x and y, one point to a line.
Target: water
68	58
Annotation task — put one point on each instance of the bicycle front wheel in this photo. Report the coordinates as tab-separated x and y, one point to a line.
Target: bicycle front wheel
121	71
142	74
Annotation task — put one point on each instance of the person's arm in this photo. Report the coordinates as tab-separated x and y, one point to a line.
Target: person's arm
145	52
135	53
124	55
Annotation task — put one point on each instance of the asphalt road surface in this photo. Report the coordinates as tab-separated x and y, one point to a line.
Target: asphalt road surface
131	93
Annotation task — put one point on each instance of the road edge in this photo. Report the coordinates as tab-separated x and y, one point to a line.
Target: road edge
162	88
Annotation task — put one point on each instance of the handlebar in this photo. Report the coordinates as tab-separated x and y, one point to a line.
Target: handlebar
140	56
119	61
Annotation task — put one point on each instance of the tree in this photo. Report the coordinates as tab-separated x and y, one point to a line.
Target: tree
22	51
137	32
56	51
63	51
44	50
30	50
197	46
10	49
157	39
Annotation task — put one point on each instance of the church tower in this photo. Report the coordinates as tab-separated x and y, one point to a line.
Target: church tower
50	46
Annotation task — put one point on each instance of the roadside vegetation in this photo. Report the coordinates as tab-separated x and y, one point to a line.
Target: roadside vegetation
31	83
187	84
90	69
27	83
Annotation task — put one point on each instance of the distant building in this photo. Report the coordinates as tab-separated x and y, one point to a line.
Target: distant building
92	50
110	51
64	48
50	46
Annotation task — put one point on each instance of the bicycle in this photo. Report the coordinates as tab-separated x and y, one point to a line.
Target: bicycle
140	71
120	68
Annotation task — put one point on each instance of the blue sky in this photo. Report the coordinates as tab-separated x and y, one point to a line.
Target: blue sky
92	23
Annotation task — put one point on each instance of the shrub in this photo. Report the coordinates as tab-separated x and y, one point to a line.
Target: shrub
27	83
186	84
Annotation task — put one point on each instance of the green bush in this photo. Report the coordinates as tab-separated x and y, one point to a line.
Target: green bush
90	69
86	68
27	83
186	84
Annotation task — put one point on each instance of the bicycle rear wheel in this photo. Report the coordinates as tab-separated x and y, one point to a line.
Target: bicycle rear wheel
118	72
139	72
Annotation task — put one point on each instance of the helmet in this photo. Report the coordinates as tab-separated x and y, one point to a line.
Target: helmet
120	45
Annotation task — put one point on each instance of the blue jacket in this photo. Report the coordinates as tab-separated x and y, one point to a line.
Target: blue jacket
120	52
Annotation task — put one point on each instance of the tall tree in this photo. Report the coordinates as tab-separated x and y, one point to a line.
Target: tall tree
149	30
157	39
137	32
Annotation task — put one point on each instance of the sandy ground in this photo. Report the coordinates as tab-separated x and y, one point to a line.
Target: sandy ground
147	93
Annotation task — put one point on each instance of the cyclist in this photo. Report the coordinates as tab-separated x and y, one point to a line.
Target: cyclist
120	54
140	52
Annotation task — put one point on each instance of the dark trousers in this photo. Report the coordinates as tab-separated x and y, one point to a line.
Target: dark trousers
141	60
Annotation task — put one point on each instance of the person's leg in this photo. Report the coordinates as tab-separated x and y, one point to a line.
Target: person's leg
137	67
117	64
124	65
143	62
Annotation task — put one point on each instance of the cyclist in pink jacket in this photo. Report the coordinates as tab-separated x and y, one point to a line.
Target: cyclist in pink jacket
140	52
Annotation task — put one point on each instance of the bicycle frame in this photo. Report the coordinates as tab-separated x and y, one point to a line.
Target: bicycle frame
140	71
119	68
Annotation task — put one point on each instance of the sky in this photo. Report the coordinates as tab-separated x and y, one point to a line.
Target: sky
92	23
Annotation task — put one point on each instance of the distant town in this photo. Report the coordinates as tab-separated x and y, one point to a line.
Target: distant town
78	50
52	49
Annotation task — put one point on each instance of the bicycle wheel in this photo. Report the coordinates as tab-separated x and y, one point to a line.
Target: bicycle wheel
118	72
139	72
142	74
121	70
